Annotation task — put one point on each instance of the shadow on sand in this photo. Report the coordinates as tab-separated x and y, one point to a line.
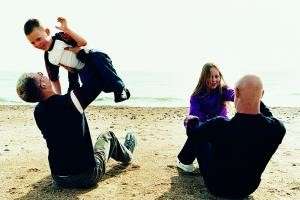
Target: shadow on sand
44	188
189	186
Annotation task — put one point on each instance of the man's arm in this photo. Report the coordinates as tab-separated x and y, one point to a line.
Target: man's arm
204	130
56	86
85	94
279	130
265	110
73	81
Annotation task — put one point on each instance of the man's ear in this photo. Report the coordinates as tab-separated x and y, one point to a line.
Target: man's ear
237	92
47	31
43	84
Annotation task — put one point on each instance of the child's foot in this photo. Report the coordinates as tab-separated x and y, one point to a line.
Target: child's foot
124	95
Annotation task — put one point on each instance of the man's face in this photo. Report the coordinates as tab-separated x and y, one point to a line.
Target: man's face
41	80
39	38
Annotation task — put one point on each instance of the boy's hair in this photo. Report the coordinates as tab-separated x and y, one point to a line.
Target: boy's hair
28	89
30	25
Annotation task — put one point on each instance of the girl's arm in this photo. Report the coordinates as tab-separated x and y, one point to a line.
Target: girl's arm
195	108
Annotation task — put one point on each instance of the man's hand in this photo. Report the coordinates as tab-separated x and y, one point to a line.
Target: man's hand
63	24
191	121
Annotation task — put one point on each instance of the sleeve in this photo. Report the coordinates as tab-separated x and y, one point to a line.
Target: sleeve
281	129
82	56
278	128
206	130
73	81
86	94
52	70
265	110
195	108
229	94
66	38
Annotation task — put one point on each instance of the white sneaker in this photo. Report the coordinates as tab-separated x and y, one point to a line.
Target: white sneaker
185	168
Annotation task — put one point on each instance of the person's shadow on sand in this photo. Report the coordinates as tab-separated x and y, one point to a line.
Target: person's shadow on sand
189	186
44	188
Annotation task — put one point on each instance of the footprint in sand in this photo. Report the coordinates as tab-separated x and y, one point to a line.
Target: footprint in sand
12	190
33	170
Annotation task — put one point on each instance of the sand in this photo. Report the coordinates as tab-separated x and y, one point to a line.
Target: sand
153	175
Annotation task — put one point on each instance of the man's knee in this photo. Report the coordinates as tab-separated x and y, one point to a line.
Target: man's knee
107	136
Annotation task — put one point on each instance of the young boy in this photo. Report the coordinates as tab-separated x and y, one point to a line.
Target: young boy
63	50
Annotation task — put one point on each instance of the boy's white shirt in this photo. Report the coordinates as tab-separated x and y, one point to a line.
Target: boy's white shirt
58	55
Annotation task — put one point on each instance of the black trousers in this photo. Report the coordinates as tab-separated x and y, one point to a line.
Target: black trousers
219	186
99	67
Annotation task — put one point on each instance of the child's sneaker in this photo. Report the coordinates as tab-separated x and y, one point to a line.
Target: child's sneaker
122	96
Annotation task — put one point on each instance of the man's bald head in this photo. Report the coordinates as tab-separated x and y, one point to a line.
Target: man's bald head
249	91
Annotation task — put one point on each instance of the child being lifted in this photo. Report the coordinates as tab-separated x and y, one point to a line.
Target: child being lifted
64	49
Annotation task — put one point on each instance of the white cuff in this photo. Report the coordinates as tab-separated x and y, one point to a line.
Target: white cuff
76	102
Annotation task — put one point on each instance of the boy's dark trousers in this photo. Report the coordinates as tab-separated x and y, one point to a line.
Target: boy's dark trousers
98	66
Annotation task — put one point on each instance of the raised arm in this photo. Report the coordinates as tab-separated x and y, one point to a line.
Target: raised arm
204	130
265	110
73	81
228	94
56	86
53	74
85	94
80	41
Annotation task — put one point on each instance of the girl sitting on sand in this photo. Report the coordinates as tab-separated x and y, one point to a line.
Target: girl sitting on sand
207	101
210	95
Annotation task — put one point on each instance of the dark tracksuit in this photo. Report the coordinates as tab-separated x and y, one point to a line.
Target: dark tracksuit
232	154
72	159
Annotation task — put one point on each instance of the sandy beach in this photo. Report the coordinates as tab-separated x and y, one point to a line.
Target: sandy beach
153	175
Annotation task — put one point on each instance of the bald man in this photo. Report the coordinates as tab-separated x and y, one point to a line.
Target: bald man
232	154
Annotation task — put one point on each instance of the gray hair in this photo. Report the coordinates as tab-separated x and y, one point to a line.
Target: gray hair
27	88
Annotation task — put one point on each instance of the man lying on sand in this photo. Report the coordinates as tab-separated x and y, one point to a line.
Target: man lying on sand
232	154
72	159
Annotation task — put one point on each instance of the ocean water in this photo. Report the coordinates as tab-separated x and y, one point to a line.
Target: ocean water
167	89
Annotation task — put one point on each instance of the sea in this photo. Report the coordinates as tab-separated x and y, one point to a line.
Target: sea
167	88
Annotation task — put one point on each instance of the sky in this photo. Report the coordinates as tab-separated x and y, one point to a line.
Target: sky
241	36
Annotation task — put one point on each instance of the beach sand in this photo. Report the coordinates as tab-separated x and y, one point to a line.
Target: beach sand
153	175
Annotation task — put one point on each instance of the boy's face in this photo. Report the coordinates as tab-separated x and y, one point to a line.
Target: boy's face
39	38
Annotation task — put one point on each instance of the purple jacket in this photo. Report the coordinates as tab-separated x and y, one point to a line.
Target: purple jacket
208	105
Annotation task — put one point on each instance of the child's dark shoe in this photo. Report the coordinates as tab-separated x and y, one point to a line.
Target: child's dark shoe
122	96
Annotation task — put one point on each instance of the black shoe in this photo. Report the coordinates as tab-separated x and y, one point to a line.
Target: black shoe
122	96
130	142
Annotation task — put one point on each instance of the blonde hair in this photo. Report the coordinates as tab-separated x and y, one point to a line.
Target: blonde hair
205	75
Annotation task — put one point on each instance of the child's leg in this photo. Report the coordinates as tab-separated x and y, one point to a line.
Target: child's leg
103	69
107	72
